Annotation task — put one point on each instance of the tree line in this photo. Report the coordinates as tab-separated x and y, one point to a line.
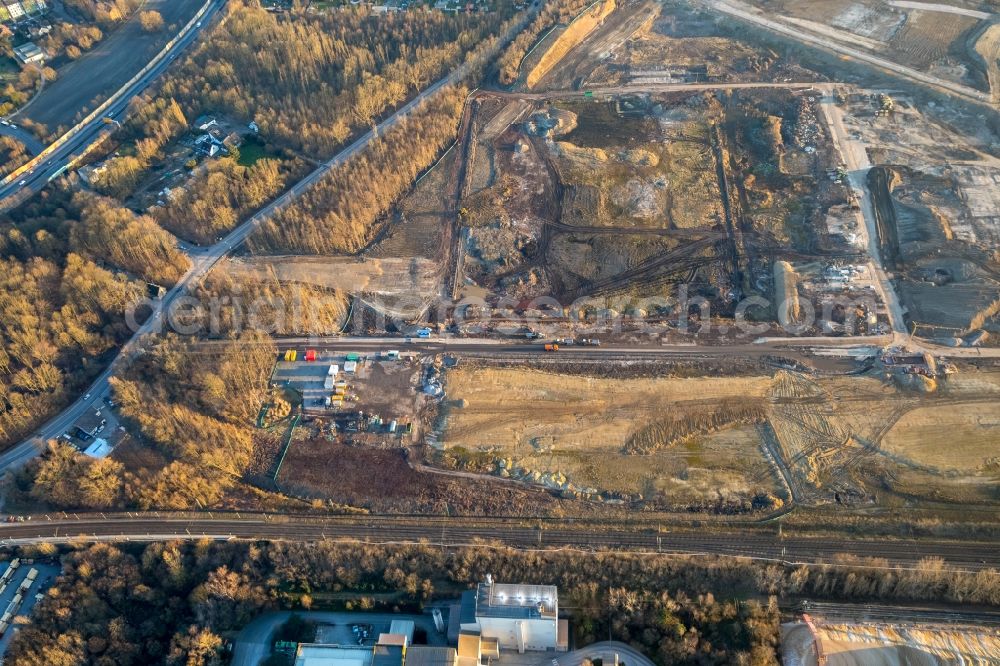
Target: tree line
338	213
173	602
553	13
105	13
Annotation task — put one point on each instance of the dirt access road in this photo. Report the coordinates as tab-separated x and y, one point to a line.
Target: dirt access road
82	85
748	14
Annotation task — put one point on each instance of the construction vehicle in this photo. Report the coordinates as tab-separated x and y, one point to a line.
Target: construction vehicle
551	347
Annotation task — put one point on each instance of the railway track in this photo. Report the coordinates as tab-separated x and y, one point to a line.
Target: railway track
495	532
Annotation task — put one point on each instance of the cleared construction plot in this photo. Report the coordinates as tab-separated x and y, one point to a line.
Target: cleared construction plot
681	443
936	202
888	644
645	42
629	196
951	45
727	444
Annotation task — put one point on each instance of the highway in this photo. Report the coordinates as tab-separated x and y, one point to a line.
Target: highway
763	544
59	156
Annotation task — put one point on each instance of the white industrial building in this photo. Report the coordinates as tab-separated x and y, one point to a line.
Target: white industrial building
518	616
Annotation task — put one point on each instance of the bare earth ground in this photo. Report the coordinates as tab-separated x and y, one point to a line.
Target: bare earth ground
937	42
944	196
686	442
382	481
86	82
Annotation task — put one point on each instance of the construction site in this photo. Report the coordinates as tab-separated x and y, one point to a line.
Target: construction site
654	176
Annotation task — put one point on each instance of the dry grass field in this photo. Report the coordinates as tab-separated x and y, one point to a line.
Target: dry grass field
963	437
705	441
587	429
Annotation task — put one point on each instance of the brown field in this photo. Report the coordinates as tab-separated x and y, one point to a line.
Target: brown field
971	431
380	480
708	441
582	428
926	37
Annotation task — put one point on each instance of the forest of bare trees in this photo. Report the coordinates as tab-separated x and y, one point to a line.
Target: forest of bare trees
174	602
310	81
337	215
70	267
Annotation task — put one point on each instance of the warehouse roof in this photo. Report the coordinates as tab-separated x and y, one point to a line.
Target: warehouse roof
424	655
333	655
519	601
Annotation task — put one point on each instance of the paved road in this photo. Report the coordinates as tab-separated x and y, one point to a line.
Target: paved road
744	12
203	259
941	8
460	531
31	143
61	154
609	652
637	88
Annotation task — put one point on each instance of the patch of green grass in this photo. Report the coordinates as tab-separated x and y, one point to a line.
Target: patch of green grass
253	150
9	68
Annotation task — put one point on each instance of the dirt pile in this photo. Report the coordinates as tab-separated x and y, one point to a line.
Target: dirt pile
577	31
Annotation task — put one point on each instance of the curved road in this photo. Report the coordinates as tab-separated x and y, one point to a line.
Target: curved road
749	14
31	143
760	544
